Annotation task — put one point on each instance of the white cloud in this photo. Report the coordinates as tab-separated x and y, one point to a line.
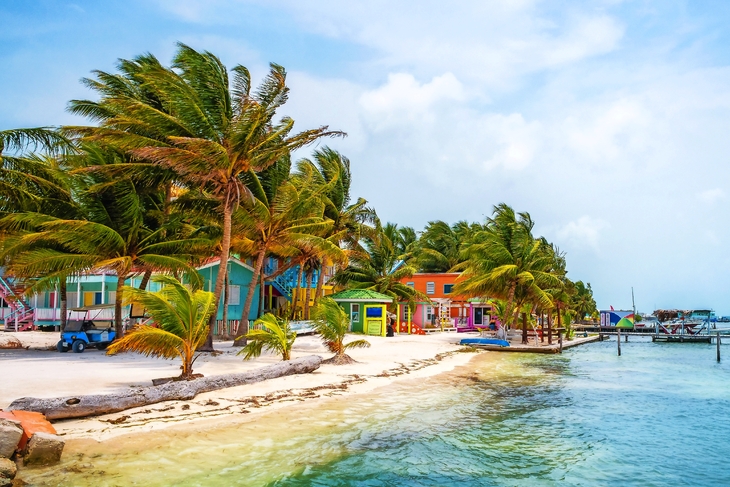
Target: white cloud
404	100
583	232
712	195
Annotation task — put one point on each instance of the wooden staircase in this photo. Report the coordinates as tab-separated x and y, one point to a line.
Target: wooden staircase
22	314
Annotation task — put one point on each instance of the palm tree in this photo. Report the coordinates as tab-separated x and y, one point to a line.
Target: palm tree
582	302
281	218
439	246
330	171
275	335
180	318
39	184
213	135
332	323
380	267
110	233
505	261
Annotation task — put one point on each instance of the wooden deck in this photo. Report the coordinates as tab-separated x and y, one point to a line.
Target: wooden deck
543	348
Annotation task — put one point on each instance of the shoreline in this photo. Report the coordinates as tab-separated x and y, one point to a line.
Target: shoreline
388	360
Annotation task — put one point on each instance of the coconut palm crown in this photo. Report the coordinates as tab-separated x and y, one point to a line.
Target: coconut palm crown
275	336
332	323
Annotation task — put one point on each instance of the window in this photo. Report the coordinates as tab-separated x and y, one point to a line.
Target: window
406	312
411	284
429	313
448	288
234	295
430	288
355	313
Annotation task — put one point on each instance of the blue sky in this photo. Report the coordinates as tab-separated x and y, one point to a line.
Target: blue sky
606	120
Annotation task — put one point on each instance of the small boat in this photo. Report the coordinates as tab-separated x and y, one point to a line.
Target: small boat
484	341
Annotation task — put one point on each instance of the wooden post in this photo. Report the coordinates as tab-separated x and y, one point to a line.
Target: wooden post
718	347
560	341
626	338
542	328
550	329
618	341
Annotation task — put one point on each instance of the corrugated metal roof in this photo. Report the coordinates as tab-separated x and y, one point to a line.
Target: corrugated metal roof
360	295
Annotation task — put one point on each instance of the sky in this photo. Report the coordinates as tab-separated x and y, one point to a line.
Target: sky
607	120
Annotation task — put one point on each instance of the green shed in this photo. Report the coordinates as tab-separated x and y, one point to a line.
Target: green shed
367	310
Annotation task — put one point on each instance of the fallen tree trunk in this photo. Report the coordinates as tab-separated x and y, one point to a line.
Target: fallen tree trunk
97	404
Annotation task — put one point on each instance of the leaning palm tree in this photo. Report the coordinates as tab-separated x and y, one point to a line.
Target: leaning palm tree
279	220
215	135
332	323
330	171
275	335
505	261
180	323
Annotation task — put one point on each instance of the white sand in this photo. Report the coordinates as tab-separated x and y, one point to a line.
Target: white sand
39	372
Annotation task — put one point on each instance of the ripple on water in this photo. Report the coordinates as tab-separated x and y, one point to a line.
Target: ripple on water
586	417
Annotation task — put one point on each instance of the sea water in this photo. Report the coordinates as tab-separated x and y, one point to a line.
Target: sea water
657	415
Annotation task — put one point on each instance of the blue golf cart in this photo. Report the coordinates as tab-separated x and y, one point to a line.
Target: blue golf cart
88	331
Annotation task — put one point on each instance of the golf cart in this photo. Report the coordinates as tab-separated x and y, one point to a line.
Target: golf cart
89	331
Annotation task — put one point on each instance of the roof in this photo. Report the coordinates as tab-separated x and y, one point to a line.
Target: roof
361	295
214	261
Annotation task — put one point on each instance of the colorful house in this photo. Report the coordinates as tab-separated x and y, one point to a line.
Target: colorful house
444	309
368	310
44	309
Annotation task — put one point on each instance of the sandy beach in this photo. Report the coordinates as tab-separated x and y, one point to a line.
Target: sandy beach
40	371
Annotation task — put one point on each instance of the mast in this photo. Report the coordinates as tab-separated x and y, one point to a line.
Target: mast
633	304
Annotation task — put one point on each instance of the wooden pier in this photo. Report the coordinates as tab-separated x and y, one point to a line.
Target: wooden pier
682	338
527	348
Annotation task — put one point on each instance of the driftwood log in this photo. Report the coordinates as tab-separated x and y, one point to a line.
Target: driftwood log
97	404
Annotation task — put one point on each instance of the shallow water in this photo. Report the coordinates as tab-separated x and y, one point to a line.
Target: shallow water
658	415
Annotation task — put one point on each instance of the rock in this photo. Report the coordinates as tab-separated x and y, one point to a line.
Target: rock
10	433
8	469
43	449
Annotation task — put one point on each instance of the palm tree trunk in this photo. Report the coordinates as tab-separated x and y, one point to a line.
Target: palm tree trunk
118	326
225	303
297	290
550	328
222	268
240	340
559	323
262	296
508	308
308	293
63	298
524	327
320	284
145	279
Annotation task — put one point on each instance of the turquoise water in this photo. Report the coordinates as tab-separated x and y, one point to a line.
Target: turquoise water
658	415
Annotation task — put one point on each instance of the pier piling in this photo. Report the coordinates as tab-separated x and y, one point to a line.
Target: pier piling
618	340
718	347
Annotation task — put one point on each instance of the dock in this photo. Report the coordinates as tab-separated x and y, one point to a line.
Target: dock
528	348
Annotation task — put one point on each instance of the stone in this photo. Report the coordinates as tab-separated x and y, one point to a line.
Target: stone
43	449
10	433
8	469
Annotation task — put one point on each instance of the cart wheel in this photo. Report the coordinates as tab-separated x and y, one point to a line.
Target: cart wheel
79	346
60	346
102	346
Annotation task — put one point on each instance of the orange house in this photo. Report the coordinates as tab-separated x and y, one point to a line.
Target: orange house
444	308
